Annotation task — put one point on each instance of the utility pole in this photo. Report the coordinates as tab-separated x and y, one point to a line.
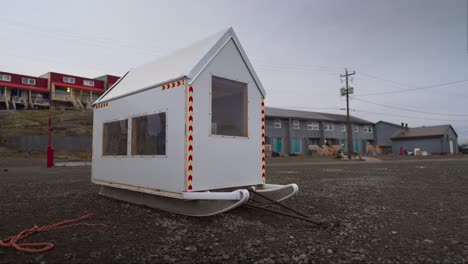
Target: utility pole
347	91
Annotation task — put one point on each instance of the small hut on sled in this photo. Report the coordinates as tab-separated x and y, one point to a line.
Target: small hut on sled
185	133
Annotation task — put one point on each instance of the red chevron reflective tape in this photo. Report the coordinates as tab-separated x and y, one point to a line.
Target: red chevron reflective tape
190	139
263	141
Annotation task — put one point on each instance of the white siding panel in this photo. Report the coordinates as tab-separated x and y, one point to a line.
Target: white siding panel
221	162
158	172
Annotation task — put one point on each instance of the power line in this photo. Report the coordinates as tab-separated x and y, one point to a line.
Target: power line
394	83
411	117
62	35
415	89
408	109
308	108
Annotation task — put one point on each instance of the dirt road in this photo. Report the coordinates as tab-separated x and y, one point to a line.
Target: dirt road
388	212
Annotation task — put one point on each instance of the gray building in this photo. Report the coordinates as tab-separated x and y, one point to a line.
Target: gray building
433	139
383	132
292	131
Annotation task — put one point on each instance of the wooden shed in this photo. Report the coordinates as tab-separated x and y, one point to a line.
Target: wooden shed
186	127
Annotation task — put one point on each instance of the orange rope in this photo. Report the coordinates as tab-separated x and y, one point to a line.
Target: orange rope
41	246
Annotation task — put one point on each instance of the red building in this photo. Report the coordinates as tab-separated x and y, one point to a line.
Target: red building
19	91
109	80
73	92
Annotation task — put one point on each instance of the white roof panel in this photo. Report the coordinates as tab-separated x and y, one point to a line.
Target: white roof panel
186	62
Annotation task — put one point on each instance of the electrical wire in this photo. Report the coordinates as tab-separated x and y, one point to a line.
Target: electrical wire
407	109
405	116
414	89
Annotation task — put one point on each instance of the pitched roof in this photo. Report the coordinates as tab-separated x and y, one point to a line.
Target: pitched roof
186	62
287	113
388	123
418	132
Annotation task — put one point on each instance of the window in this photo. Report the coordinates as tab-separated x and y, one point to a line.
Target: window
62	91
277	123
88	83
368	129
228	107
312	125
4	77
28	81
296	124
115	138
149	134
94	97
67	79
329	127
356	128
343	128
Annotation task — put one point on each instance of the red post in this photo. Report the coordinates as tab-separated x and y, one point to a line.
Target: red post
50	149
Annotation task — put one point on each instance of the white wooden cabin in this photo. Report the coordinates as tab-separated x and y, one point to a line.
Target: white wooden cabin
184	124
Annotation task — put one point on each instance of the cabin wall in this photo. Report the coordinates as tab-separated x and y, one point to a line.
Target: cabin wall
155	172
226	161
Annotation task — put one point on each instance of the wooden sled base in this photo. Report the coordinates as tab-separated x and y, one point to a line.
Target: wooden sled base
200	203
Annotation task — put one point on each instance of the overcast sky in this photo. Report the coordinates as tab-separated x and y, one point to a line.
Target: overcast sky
298	48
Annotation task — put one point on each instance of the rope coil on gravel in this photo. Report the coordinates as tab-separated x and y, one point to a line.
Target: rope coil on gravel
40	247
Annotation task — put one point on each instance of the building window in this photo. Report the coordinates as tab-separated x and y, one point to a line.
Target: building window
311	125
228	107
149	135
28	81
94	97
329	127
296	124
277	123
67	79
114	141
88	83
356	128
368	129
343	128
4	77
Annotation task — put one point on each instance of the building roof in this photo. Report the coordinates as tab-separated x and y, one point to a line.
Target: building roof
186	62
388	123
419	132
287	113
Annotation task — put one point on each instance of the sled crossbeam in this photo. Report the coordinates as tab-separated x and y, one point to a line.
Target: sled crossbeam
292	212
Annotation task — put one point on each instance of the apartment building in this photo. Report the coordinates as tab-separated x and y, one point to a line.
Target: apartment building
108	80
18	91
292	131
72	92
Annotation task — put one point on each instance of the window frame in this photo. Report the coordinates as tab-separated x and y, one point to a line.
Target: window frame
368	129
90	83
313	125
343	129
277	123
165	110
68	79
246	101
8	79
355	128
26	80
296	124
128	131
329	126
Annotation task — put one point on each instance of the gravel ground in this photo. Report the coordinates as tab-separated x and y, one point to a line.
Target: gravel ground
388	212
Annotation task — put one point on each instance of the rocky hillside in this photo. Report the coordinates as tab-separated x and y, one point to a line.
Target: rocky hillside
34	122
